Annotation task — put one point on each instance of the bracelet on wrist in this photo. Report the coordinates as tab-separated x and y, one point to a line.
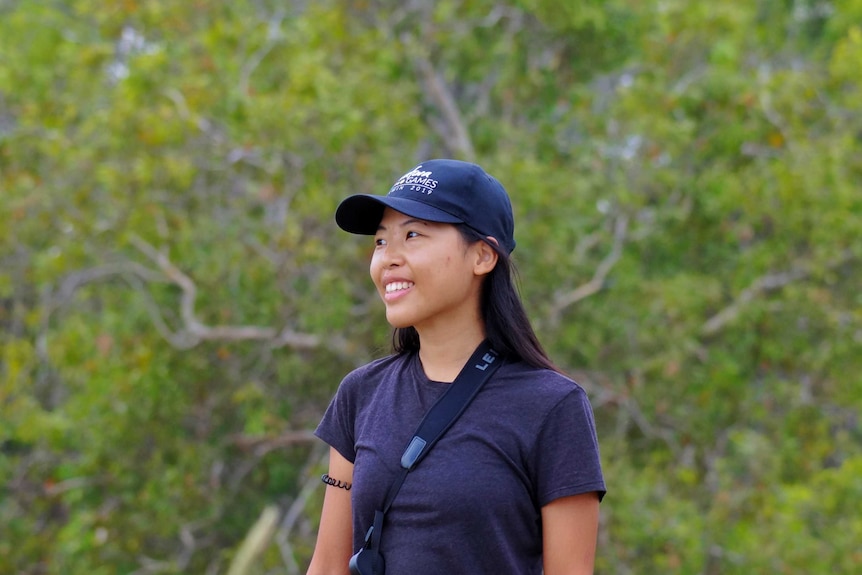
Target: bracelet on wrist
335	482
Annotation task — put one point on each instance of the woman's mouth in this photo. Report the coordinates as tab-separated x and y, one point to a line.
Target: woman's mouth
398	286
394	289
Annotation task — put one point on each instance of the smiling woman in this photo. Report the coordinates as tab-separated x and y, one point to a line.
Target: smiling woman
514	485
428	277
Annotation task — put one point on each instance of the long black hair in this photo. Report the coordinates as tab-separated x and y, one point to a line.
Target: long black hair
507	326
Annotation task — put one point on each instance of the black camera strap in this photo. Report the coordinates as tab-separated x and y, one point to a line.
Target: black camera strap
478	369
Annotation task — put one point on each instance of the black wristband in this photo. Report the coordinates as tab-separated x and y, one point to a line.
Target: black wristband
335	482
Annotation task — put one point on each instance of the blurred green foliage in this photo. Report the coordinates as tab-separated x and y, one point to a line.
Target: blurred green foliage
177	305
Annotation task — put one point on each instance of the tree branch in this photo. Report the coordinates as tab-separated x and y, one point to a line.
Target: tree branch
764	284
262	445
597	282
75	280
256	541
178	340
764	98
297	509
273	36
768	283
456	132
194	331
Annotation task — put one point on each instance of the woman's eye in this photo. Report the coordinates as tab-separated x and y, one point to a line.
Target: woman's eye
379	242
412	234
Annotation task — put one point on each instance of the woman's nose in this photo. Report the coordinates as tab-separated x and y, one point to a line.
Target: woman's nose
388	256
392	256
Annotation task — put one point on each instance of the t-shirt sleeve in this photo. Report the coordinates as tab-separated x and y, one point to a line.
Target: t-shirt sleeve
337	425
566	453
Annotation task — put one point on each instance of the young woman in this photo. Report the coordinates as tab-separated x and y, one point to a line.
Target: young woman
514	485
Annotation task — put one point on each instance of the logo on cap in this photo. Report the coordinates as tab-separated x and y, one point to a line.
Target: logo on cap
416	181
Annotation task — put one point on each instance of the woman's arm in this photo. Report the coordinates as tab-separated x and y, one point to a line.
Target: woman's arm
335	536
570	527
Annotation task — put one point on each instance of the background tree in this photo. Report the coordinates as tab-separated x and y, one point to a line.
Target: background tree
177	305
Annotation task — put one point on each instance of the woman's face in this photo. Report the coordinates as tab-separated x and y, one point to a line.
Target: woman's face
426	274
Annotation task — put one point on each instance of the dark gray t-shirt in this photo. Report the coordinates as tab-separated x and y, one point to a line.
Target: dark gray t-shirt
473	505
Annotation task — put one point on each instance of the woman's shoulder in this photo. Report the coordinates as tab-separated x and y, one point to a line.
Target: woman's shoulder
539	375
375	369
538	383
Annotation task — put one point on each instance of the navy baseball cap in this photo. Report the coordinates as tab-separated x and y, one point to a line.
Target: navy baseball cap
445	191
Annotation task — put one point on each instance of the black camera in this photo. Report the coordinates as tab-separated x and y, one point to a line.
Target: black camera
367	562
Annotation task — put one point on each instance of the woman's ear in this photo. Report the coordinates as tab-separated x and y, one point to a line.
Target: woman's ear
486	257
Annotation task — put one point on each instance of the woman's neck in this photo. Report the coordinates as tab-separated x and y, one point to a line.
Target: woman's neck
443	354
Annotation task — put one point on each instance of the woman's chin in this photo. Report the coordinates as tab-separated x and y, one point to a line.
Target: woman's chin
398	322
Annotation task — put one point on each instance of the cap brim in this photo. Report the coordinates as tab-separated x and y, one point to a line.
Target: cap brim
361	214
